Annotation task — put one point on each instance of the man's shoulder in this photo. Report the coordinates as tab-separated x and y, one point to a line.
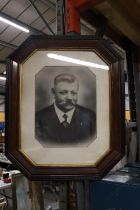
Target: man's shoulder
83	110
45	110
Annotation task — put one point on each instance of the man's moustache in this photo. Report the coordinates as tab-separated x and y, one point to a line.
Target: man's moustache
69	102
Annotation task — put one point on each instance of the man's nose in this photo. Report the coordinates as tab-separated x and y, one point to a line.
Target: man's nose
69	96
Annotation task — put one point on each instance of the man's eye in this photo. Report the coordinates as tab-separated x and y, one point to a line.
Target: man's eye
73	93
63	92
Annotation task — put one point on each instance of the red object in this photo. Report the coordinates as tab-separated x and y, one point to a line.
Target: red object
84	4
7	180
72	17
73	8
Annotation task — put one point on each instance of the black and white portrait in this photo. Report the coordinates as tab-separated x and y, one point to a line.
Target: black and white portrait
65	106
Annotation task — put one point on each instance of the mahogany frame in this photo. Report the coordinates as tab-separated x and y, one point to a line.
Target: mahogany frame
13	108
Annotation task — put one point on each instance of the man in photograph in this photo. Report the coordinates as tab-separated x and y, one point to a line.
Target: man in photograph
65	122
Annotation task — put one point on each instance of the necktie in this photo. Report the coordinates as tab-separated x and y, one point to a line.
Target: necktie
65	122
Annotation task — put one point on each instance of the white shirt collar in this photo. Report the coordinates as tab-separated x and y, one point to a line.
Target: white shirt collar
60	114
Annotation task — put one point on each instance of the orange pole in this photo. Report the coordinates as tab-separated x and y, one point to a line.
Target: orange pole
72	17
72	11
83	4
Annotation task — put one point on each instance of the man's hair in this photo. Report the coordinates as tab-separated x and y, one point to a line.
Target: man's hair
65	77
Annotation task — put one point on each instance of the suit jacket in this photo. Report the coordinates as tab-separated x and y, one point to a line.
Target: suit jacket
48	128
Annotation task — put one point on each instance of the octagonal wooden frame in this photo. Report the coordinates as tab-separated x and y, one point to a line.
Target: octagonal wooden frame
13	149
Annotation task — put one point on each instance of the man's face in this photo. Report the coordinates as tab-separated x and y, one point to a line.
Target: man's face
66	95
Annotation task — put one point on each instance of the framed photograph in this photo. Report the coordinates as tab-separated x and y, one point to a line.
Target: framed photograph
55	194
65	107
26	194
20	191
